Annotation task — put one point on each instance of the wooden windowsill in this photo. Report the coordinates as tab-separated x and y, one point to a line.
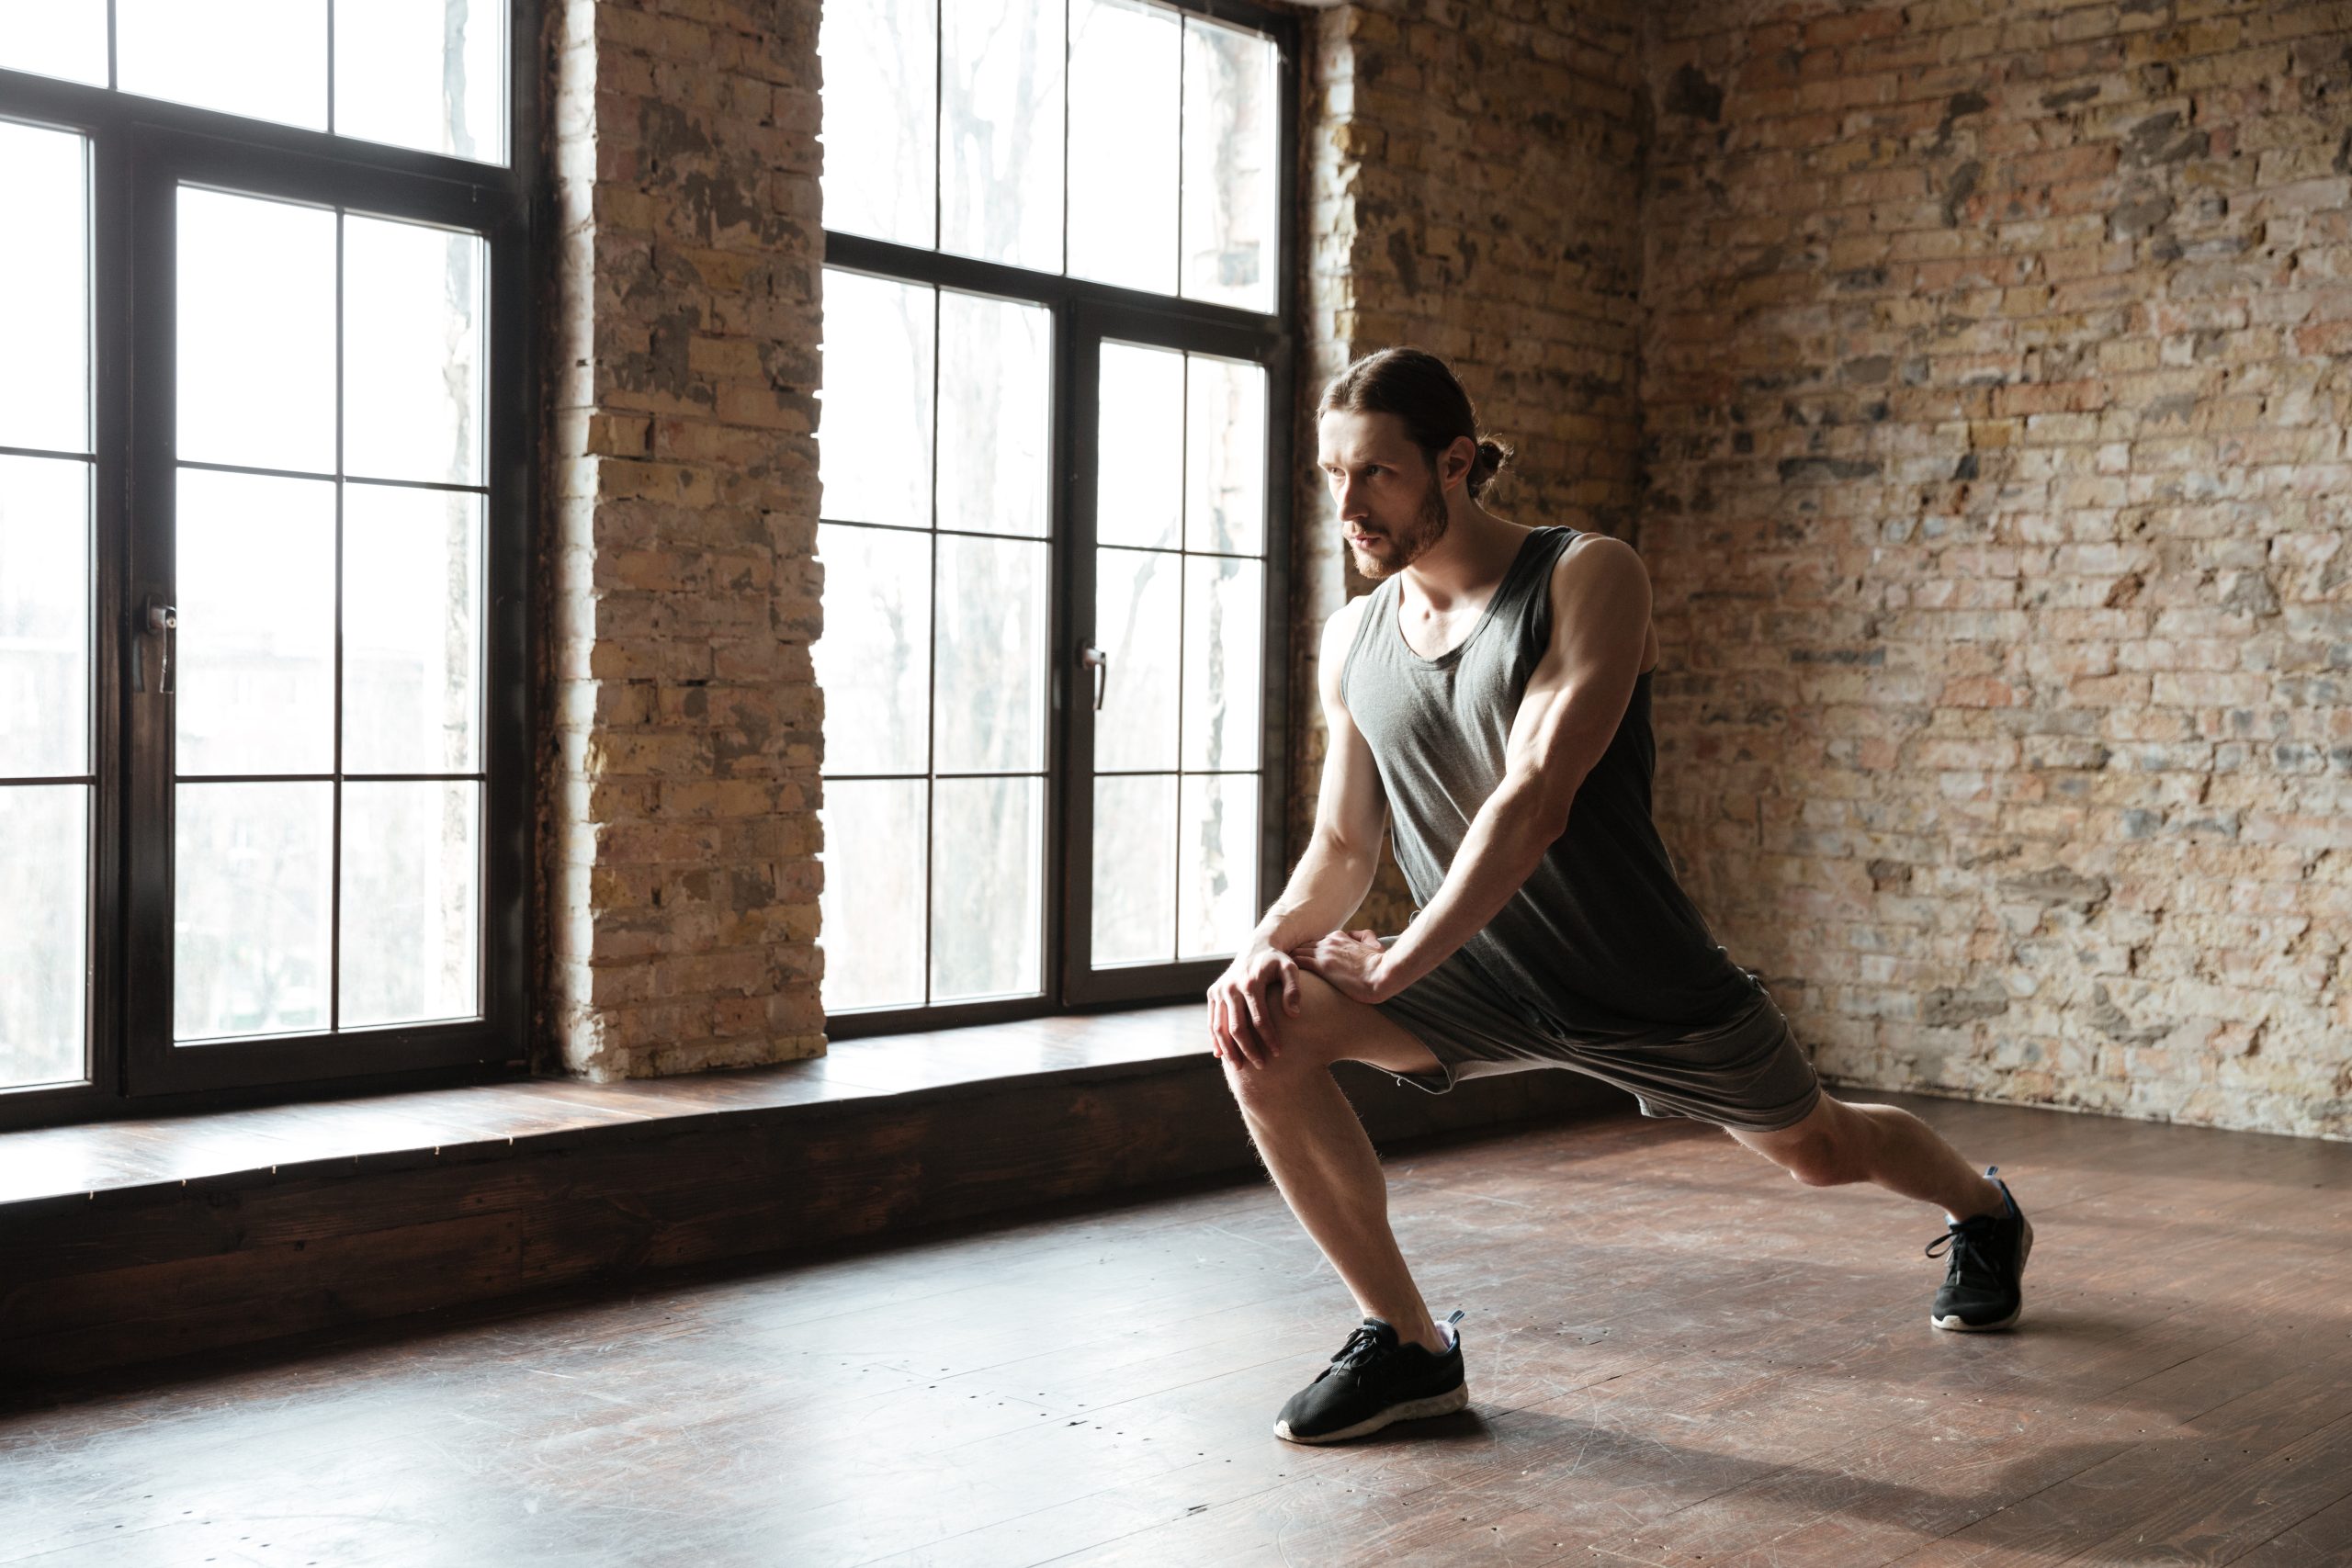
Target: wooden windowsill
100	1157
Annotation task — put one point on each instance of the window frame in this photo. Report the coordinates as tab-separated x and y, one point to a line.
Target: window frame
139	150
1083	313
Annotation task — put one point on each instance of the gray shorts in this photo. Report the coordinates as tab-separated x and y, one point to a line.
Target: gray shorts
1748	1072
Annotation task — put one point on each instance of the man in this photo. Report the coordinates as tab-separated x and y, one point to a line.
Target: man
1489	705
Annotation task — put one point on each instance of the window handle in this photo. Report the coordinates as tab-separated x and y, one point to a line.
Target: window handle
1095	659
161	625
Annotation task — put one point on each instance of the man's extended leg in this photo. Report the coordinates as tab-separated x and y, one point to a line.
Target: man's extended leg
1989	1238
1317	1152
1842	1142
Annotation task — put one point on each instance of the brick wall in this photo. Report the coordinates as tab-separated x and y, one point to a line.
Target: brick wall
679	795
1973	373
1995	388
1472	175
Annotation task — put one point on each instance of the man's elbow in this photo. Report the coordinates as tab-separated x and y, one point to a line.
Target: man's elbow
1341	848
1538	805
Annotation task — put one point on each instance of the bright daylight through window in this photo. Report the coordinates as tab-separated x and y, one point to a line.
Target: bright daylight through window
292	516
1038	172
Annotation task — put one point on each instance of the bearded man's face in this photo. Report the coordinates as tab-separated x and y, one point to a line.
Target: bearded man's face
1392	505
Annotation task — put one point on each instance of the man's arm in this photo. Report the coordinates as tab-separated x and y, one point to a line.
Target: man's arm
1330	879
1576	697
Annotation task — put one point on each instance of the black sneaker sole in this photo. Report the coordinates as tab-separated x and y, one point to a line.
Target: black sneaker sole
1446	1404
1956	1324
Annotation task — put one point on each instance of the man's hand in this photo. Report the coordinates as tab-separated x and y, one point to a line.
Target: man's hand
1241	1004
1351	961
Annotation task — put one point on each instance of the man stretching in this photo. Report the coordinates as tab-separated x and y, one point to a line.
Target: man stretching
1488	704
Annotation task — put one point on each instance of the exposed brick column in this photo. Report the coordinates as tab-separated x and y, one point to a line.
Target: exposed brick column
679	803
1998	394
1472	185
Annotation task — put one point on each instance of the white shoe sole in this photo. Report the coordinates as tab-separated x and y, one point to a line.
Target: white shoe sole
1954	1325
1445	1403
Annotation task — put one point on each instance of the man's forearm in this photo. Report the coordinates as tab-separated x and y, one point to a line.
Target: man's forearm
1506	842
1327	887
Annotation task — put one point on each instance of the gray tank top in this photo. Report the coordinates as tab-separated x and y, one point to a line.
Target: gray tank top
1601	944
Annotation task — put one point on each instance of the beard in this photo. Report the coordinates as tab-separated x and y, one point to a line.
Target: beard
1409	544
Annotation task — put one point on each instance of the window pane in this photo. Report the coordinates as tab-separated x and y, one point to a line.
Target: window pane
1124	70
412	630
881	112
1219	890
251	907
44	927
995	413
45	277
257	333
412	903
430	75
255	675
1135	869
1224	606
413	353
987	874
872	662
874	420
44	617
1001	131
264	59
1225	455
70	41
871	908
1139	490
991	654
1135	622
1232	166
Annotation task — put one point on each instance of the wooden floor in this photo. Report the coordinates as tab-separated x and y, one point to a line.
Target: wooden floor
1676	1356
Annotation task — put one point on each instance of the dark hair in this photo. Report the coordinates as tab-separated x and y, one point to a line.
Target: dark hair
1419	388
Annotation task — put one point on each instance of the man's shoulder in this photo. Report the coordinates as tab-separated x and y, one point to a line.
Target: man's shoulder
1339	643
1342	626
1599	563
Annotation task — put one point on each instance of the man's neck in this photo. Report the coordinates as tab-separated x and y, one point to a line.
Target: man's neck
1469	563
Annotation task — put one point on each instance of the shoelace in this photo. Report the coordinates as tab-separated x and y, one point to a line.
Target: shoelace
1361	1347
1971	1245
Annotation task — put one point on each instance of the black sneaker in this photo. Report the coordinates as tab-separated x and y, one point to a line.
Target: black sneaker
1371	1381
1983	1283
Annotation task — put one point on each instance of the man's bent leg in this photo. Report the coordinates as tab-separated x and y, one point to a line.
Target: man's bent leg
1839	1142
1317	1152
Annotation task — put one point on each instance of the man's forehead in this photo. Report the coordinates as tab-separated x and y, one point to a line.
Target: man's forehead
1354	435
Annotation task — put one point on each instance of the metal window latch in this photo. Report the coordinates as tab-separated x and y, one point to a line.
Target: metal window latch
158	623
1095	659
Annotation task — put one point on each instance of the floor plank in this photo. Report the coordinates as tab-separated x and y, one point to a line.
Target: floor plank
1676	1354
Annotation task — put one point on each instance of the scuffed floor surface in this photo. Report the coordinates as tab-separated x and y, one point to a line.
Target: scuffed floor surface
1677	1356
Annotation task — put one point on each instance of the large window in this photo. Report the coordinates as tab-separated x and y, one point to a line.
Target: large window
261	768
1057	354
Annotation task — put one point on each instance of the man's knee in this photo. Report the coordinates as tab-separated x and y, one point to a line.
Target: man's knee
1821	1161
1824	1150
1304	1041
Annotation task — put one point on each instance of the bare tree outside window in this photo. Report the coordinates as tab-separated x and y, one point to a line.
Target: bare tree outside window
1132	144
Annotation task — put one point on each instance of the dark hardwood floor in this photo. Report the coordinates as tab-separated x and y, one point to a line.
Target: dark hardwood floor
1677	1356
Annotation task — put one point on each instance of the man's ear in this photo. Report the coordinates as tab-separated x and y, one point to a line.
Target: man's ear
1456	461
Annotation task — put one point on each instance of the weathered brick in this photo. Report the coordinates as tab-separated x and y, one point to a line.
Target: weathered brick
2108	363
686	156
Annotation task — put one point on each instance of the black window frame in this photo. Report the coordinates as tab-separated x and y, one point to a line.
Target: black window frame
1084	314
140	149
